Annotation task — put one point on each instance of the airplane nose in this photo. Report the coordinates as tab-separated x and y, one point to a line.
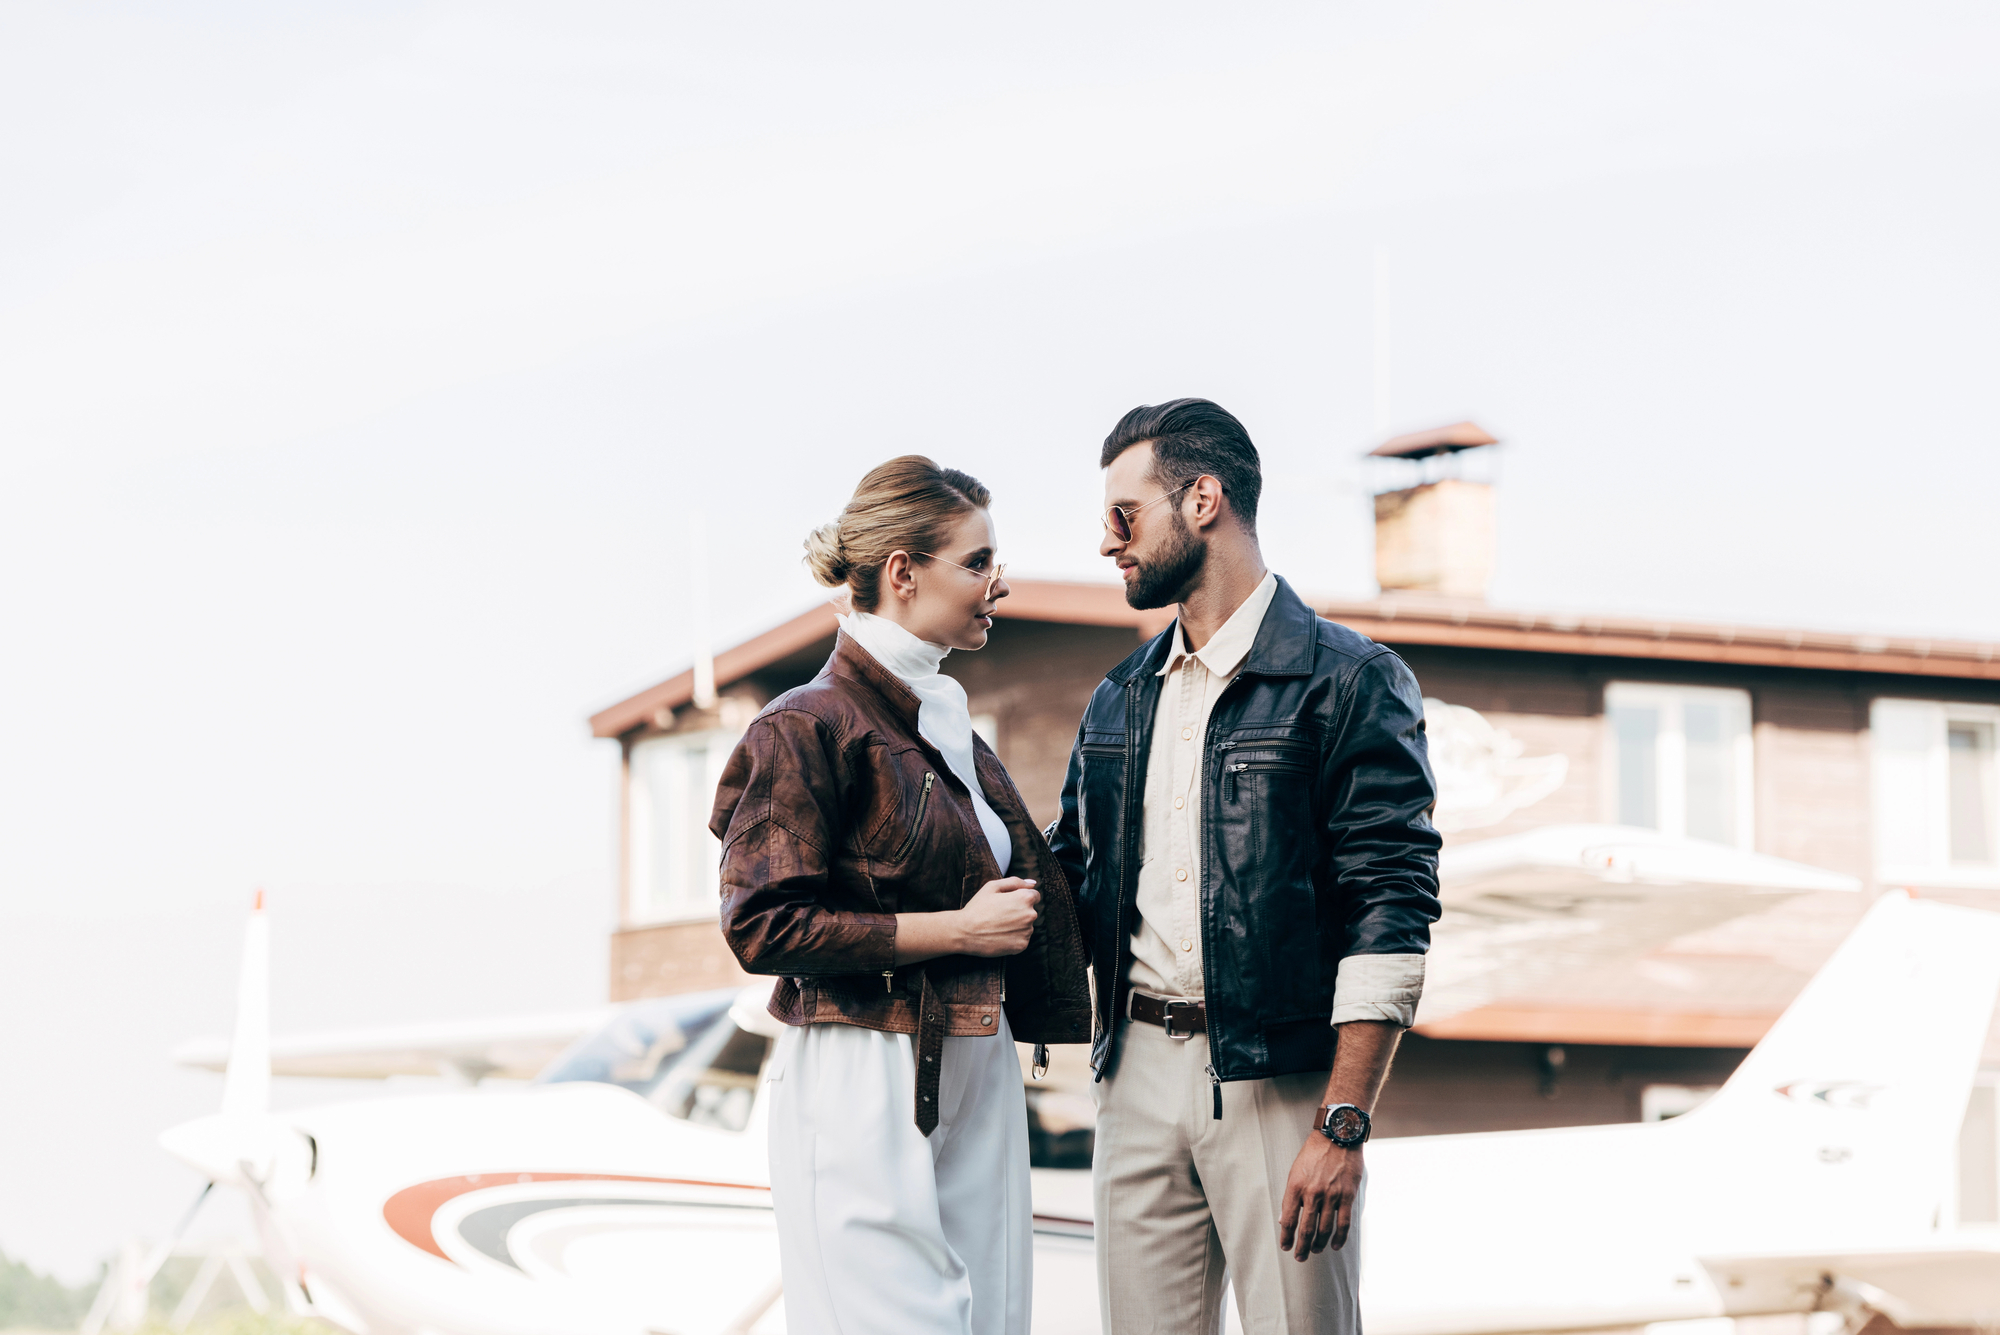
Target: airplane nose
241	1151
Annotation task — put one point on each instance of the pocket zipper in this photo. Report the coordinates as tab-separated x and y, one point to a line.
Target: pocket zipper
1229	773
1231	769
917	825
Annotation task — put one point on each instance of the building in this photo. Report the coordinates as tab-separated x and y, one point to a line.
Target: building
1866	755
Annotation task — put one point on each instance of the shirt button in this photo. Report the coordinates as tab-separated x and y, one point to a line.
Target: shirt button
1179	802
1187	734
1186	944
1180	873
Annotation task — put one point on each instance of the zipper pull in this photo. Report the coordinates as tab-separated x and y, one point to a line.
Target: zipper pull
1215	1083
1229	773
929	779
1040	1067
888	980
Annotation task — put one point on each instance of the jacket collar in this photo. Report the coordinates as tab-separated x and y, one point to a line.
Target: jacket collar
850	660
1284	645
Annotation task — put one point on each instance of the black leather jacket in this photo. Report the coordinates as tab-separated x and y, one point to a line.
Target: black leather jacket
1316	841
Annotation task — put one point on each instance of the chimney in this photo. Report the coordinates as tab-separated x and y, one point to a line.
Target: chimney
1437	536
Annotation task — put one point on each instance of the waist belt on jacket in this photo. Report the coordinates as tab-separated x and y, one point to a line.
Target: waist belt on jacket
929	1045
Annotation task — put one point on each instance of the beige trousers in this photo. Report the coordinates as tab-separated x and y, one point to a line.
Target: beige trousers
1187	1204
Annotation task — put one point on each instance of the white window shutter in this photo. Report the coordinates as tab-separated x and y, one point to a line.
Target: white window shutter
1910	809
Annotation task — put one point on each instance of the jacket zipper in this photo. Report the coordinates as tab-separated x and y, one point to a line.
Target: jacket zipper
916	828
1126	871
917	825
1229	773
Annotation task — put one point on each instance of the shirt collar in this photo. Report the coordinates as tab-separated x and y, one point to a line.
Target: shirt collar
1230	645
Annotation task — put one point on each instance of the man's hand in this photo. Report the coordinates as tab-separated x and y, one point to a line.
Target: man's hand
1319	1197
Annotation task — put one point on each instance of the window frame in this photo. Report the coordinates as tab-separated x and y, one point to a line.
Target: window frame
698	902
1890	786
1670	774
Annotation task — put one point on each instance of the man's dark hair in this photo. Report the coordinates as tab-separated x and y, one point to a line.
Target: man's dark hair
1191	437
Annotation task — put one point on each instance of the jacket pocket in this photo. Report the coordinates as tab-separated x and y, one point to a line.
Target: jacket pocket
1239	760
1266	821
917	822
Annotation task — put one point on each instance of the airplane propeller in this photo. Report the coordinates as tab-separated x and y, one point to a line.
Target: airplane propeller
241	1146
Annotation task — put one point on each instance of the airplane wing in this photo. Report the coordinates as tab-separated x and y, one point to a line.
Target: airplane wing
466	1051
1953	1282
1527	908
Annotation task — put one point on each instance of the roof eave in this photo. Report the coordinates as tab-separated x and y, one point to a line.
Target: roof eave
1396	619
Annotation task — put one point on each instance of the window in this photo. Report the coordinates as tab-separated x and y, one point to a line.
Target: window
674	859
1660	1103
1680	761
988	727
1979	1153
1937	793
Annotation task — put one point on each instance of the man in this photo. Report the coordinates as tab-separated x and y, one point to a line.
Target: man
1246	820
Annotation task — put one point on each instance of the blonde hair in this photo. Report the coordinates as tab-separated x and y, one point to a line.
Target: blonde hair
905	505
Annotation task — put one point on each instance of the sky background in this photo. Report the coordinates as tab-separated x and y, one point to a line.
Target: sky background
362	366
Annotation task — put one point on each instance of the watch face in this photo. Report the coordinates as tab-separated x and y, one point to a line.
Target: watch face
1345	1124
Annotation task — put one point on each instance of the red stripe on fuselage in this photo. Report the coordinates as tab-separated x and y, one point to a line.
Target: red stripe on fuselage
410	1211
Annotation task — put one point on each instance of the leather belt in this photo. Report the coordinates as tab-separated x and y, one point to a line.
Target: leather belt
1181	1019
929	1045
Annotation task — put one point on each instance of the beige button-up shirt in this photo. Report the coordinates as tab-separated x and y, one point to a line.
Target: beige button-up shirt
1166	944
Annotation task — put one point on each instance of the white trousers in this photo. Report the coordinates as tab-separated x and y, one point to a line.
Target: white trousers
1187	1205
880	1228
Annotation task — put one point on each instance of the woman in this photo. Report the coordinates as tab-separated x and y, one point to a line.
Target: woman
879	860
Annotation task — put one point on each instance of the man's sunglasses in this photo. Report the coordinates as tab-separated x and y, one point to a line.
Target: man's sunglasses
992	580
1119	519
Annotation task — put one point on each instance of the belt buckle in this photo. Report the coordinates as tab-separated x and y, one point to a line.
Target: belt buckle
1167	1022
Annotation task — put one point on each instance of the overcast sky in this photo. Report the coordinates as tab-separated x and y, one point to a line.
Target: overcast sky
360	366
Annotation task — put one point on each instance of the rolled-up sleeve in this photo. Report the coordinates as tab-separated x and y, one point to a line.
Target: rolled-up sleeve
777	813
1378	987
1382	844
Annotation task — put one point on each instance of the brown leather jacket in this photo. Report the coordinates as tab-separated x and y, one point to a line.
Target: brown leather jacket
834	816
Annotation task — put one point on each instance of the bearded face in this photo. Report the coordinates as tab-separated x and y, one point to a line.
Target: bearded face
1166	575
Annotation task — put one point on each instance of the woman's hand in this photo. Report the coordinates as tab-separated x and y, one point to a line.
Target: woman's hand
997	921
1000	918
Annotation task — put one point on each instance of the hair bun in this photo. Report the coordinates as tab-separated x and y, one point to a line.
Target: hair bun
823	555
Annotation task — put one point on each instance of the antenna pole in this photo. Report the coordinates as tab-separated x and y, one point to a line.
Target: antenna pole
704	648
1384	331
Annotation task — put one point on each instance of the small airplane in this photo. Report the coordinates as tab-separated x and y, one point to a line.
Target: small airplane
627	1190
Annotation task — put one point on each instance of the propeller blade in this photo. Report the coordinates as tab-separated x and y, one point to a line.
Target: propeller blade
278	1254
246	1084
125	1289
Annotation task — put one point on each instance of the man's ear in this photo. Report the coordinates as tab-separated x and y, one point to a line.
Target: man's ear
1210	504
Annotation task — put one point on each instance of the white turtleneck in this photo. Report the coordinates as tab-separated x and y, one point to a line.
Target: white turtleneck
942	716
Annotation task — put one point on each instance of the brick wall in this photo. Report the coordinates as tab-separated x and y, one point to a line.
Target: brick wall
669	958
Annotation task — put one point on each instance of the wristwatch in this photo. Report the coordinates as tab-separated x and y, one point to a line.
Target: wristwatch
1343	1124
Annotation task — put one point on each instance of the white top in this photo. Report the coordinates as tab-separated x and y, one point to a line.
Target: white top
942	717
1166	942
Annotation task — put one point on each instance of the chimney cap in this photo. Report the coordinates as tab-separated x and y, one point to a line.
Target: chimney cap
1437	440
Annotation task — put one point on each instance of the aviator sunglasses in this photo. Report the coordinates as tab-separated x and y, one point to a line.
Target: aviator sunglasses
992	580
1119	520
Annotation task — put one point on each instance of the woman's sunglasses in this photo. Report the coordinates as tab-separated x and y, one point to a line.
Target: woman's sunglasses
992	580
1119	520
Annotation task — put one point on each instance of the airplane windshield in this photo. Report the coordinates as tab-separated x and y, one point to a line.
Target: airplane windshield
681	1054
